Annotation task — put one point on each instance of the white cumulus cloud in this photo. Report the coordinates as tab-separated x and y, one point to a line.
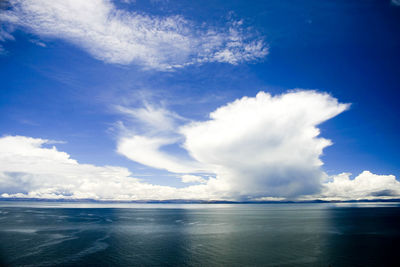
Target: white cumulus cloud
29	169
255	148
364	186
119	36
265	145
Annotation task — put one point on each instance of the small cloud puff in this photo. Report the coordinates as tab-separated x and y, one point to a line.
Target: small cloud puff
187	178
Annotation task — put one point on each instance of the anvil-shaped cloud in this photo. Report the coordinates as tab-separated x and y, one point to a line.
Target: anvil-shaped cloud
255	146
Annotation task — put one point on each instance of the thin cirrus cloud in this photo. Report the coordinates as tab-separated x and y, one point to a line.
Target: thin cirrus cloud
396	2
187	178
153	129
118	36
264	147
4	36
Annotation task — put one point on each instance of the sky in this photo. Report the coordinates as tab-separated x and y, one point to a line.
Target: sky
199	100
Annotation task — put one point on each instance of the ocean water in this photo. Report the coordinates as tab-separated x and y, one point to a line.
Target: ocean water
84	234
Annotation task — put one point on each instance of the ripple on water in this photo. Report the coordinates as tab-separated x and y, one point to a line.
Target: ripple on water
21	230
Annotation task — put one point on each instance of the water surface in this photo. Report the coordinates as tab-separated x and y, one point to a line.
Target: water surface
48	234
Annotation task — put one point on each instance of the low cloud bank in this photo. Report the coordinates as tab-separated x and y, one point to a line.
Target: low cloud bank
28	169
255	148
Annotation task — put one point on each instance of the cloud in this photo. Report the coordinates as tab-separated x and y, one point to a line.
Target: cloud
152	119
265	145
395	2
29	169
150	129
117	36
4	36
147	151
365	186
37	42
187	178
255	148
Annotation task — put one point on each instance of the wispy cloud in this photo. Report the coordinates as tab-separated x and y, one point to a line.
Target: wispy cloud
148	151
4	36
152	119
146	131
396	2
118	36
37	42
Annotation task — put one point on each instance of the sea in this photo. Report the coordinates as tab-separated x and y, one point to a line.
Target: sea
129	234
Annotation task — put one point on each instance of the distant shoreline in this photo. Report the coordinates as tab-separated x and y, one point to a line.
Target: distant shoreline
179	201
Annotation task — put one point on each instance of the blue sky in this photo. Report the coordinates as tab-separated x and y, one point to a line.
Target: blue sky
152	68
